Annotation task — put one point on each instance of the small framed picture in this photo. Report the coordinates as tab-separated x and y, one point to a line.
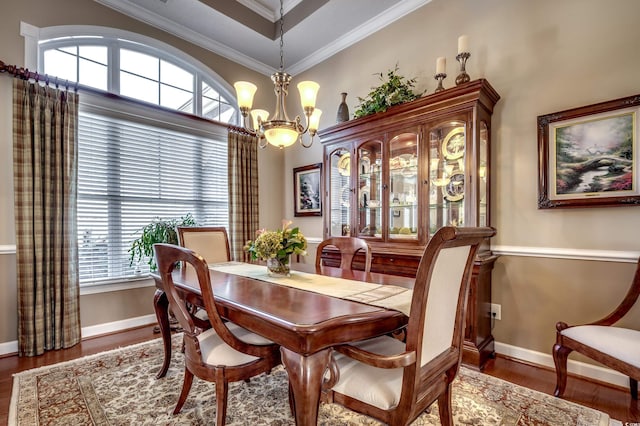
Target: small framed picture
307	190
588	156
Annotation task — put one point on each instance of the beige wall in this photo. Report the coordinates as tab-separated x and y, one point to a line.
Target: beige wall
541	56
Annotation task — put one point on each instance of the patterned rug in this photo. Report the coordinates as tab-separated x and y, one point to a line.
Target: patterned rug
119	388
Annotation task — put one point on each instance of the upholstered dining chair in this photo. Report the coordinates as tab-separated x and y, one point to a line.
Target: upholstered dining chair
393	381
211	242
615	347
348	247
223	353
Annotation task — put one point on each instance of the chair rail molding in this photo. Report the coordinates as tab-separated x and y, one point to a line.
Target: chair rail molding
8	249
523	251
568	253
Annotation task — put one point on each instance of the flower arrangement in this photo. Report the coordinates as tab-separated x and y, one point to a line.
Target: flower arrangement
275	247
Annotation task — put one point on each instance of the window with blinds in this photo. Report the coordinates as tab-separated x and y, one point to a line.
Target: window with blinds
131	171
139	162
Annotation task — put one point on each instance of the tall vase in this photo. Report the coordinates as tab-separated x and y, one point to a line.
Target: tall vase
279	267
343	109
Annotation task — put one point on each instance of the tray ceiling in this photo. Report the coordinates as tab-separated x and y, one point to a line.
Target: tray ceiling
248	31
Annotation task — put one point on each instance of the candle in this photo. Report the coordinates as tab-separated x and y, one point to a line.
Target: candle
441	65
463	44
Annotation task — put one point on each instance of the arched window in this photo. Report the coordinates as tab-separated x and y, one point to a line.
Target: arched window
142	154
138	67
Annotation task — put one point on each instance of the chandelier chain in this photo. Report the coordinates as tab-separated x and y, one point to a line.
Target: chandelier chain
281	35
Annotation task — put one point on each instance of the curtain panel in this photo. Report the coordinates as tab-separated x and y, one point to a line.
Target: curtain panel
243	192
45	167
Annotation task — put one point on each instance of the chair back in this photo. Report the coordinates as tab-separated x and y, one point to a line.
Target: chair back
438	308
211	242
167	257
348	247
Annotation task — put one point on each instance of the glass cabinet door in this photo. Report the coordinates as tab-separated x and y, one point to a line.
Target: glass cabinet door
369	217
483	154
447	175
340	192
403	187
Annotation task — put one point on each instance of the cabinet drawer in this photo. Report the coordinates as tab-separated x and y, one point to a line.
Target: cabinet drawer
395	265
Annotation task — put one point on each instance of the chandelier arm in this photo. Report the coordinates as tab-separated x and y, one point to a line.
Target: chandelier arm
305	145
262	142
246	123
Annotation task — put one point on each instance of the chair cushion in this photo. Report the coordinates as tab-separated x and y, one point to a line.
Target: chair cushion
617	342
216	352
202	314
376	386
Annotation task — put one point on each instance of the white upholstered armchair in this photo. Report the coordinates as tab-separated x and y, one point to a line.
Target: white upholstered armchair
616	347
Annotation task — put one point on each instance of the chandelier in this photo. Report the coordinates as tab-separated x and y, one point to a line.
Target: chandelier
279	130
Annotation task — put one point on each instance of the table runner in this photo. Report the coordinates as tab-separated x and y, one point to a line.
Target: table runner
382	295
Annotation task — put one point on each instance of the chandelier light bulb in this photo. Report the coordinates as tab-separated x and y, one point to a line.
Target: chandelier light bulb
308	92
259	115
281	137
244	93
314	120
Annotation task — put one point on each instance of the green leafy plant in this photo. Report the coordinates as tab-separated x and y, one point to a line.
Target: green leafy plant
158	231
395	90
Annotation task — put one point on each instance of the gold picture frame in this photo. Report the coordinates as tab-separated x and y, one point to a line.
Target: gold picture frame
588	156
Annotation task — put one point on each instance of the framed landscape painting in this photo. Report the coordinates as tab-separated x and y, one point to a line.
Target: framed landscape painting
588	156
307	190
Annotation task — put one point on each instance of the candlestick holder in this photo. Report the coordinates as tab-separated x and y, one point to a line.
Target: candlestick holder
463	77
440	76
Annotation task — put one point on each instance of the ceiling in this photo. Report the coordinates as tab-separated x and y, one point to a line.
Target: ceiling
248	31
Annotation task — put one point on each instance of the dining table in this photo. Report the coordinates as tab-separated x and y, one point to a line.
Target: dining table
306	314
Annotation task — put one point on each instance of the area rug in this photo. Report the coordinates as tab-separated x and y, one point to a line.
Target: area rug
119	387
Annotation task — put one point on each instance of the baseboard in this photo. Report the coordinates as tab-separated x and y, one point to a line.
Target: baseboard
8	348
589	371
111	327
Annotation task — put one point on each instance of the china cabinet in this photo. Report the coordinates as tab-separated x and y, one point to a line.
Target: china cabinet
394	178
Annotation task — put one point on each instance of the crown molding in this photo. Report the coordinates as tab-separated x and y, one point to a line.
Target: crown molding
187	34
266	12
359	33
403	8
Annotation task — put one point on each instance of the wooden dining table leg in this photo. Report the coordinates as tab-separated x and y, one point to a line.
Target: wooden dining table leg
161	306
305	380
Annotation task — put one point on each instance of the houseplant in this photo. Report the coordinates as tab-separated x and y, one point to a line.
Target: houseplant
157	231
276	247
395	90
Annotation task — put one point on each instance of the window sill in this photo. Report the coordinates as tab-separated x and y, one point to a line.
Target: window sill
116	285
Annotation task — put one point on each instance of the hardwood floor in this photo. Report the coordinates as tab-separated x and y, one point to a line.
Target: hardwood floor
614	401
610	399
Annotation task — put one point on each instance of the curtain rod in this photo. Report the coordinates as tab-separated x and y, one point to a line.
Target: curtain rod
25	74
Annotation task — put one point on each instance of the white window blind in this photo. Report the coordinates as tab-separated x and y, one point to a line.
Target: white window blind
131	171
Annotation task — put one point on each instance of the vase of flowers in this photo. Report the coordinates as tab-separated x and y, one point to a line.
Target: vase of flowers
276	248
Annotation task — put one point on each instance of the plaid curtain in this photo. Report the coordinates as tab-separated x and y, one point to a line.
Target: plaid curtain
45	168
243	191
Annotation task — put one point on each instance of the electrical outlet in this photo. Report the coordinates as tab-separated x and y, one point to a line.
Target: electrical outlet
496	311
